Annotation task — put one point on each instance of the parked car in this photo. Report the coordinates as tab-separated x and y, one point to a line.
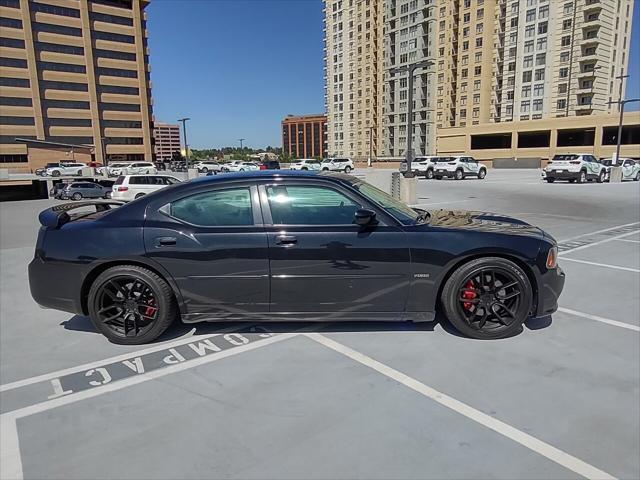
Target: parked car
80	190
575	167
65	169
316	246
139	168
424	165
113	169
130	187
630	168
242	167
337	165
306	164
43	171
270	165
459	168
207	166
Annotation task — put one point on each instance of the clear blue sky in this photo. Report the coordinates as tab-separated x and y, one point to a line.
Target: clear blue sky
237	67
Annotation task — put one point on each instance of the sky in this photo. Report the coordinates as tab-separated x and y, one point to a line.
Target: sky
237	67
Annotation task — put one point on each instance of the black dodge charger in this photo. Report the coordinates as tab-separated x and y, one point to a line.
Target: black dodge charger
279	245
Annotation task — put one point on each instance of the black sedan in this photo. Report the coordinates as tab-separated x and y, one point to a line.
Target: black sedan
289	246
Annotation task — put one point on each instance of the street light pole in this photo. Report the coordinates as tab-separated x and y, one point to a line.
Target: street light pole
184	133
620	77
621	104
370	161
411	69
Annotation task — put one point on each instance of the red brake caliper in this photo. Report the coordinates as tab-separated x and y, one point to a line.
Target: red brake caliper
150	311
469	294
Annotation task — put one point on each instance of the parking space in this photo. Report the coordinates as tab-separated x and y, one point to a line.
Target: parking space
344	400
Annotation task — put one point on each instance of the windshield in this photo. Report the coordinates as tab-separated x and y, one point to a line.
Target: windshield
560	158
405	214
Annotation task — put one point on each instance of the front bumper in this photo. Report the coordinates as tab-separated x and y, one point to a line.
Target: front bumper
550	287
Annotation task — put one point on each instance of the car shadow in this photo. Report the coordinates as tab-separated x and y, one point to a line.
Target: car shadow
79	323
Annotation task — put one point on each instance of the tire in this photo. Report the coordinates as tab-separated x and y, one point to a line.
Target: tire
583	177
163	300
304	169
241	170
139	195
601	178
428	174
438	177
572	180
347	169
205	170
76	196
107	196
464	280
637	177
482	173
55	173
550	180
459	175
325	169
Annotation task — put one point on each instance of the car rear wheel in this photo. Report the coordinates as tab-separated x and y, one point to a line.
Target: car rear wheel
487	298
347	169
77	196
304	168
325	169
459	175
205	170
438	177
107	196
482	173
139	195
637	177
131	305
582	178
550	180
428	174
55	173
601	178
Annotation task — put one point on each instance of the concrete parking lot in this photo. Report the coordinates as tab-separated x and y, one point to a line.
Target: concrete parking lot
343	400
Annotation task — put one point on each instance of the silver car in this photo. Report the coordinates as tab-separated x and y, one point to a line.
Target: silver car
80	190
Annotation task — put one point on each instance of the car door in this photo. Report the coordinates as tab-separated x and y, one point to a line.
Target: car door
473	165
627	169
321	262
213	243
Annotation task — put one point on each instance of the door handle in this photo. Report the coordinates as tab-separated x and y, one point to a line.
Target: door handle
286	240
165	241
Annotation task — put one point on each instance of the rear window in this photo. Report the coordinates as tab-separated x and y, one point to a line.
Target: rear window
561	158
443	159
119	180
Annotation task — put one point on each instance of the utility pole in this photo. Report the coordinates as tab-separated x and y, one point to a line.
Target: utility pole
370	161
620	77
411	69
184	133
621	104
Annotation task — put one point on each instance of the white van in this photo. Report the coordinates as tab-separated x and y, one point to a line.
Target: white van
130	187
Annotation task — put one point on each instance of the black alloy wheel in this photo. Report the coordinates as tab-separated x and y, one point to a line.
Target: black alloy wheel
131	305
488	298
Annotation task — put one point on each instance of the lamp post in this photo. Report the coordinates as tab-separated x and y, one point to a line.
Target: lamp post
184	133
621	104
411	70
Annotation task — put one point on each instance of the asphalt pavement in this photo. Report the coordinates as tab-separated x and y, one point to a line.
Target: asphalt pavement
343	400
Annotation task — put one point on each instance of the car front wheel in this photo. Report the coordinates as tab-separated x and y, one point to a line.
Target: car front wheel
637	177
487	298
582	178
482	173
131	305
459	175
602	177
77	196
347	169
205	170
55	173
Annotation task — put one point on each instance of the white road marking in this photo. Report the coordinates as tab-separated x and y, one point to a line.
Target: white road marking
626	240
548	451
125	356
597	318
9	448
600	242
10	461
598	231
604	265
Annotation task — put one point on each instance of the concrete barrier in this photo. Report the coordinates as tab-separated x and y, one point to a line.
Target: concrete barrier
517	162
616	175
4	174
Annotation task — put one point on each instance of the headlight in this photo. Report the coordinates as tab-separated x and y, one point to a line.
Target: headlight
552	258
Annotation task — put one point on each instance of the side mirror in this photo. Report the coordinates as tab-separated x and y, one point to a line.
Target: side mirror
364	217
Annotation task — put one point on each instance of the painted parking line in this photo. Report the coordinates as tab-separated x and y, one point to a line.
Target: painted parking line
603	265
597	318
206	352
626	240
528	441
587	244
597	232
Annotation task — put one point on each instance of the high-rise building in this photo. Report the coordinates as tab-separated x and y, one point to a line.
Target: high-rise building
167	140
74	75
354	76
304	136
410	36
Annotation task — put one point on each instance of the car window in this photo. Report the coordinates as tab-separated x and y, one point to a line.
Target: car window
138	181
309	205
220	208
401	211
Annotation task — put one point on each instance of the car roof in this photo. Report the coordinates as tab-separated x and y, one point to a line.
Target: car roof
271	174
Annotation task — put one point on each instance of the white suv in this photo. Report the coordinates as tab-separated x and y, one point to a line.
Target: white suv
578	167
424	165
130	187
305	164
459	168
337	165
207	166
66	169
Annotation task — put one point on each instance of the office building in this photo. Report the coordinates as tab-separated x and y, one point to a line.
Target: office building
304	136
354	76
167	140
74	82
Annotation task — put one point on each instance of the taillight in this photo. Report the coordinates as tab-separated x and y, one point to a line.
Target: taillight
123	189
575	162
552	258
263	167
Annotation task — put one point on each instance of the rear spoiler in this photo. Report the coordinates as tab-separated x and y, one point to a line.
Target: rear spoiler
57	216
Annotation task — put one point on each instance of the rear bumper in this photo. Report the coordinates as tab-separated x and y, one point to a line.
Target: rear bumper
444	173
561	175
550	286
60	294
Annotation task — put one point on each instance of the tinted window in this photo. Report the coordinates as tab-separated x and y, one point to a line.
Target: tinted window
119	180
222	208
310	205
401	211
564	157
138	181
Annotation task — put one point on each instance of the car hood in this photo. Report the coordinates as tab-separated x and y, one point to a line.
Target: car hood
482	221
